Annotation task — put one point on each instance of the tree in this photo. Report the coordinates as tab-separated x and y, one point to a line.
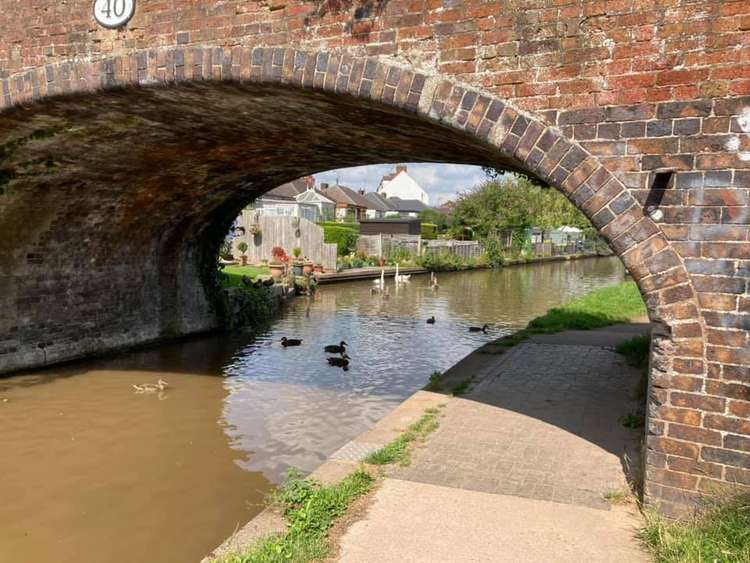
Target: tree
436	218
512	202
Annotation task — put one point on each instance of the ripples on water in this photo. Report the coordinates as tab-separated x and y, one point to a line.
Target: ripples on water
92	471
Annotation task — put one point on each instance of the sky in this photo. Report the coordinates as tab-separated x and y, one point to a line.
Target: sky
442	182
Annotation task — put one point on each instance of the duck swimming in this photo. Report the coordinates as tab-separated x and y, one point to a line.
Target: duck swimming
290	341
342	362
160	385
431	320
336	349
478	329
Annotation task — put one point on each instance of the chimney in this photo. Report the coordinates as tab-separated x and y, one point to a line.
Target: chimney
361	192
324	185
400	168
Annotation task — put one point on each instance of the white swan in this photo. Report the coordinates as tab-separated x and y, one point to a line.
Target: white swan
401	279
380	282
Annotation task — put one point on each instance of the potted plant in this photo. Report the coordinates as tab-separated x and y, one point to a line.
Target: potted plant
278	262
255	230
242	247
277	269
318	268
297	265
307	266
381	261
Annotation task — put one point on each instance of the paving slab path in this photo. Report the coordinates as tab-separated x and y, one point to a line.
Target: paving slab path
518	469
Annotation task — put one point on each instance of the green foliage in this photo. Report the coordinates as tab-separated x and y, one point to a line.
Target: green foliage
398	255
242	247
636	351
247	307
720	532
493	248
602	307
352	226
398	449
429	231
632	420
344	237
511	202
233	274
434	382
440	220
310	509
297	251
225	250
440	262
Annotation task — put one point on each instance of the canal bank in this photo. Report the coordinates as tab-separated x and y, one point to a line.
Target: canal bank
536	440
196	462
353	274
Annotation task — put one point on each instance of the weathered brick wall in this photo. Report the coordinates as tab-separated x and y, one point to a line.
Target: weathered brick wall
592	97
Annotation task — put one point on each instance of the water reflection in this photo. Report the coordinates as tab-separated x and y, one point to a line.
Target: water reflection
92	471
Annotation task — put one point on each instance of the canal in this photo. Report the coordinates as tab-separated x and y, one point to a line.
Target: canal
93	471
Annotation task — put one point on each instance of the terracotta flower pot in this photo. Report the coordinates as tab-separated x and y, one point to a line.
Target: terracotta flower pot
318	268
277	270
243	260
307	268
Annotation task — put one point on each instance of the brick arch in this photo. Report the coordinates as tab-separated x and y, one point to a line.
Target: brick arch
518	140
522	139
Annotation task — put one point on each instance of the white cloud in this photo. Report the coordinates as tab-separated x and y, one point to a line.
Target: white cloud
441	181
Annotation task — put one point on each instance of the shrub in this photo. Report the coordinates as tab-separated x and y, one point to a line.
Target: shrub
242	247
344	237
440	262
278	253
297	251
429	231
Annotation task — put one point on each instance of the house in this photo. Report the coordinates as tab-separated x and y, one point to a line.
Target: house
351	205
401	185
298	198
393	206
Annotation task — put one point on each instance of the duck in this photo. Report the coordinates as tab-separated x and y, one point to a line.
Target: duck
431	320
290	341
160	385
336	348
342	362
479	329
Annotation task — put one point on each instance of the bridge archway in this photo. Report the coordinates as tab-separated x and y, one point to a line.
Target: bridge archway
118	178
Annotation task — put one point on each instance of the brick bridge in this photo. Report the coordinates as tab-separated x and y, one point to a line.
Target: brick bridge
125	153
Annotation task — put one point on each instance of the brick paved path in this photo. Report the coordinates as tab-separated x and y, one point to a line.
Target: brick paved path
541	422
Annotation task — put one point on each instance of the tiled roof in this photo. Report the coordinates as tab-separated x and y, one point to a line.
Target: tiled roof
342	194
407	205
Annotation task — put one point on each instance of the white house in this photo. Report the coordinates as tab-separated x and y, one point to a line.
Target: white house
296	199
399	184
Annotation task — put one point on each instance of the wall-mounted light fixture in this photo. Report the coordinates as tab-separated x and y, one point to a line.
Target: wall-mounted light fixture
660	183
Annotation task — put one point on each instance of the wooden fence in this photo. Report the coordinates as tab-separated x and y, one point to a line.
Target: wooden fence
464	249
383	244
286	232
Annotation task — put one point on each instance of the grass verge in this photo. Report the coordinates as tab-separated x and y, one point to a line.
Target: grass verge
234	274
310	509
721	532
398	451
602	307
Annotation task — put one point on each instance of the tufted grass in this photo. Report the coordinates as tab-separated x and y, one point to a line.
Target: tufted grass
310	509
398	451
721	532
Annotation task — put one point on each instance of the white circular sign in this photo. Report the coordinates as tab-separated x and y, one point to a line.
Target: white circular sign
113	13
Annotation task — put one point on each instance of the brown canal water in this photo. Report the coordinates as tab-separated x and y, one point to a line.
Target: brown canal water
92	471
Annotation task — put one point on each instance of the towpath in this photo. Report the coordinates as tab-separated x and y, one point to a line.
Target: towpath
521	465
